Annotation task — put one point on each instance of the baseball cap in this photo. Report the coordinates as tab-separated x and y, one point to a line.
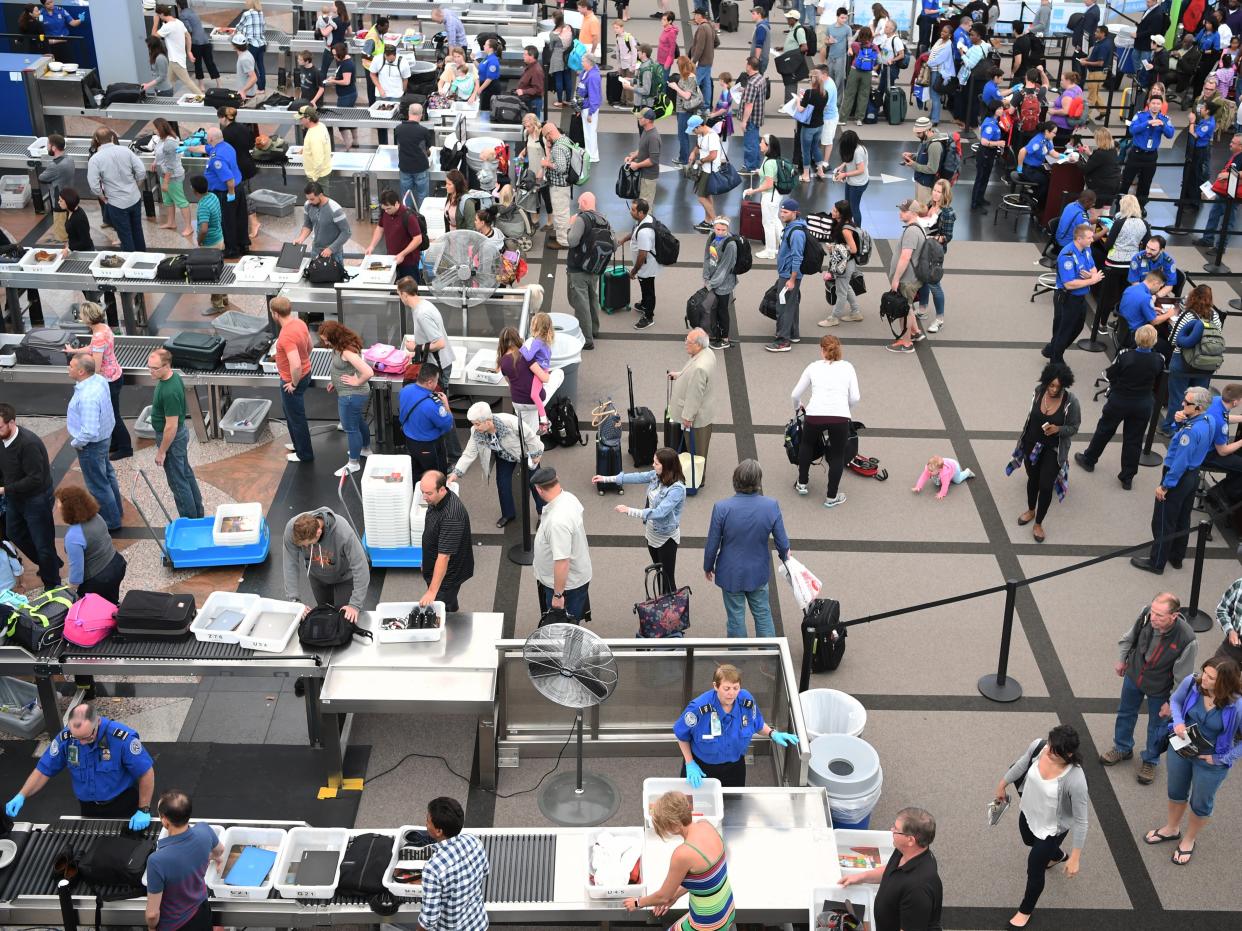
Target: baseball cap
239	38
650	114
307	113
908	204
792	14
544	475
693	123
922	124
790	204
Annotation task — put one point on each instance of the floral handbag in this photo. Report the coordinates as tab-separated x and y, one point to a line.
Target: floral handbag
662	615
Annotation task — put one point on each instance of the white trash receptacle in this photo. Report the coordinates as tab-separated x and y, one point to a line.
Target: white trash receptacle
829	711
849	768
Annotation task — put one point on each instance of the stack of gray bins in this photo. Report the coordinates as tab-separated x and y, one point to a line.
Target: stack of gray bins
235	323
142	426
244	420
20	713
272	203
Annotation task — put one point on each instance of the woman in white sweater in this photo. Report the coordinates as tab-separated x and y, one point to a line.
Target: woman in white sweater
833	384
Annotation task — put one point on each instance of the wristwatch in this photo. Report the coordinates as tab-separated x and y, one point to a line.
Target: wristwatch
558	594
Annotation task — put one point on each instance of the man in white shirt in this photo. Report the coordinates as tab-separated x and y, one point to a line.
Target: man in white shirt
177	44
562	561
389	75
708	153
429	333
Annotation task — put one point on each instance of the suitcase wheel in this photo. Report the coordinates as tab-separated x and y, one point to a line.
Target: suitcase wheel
525	243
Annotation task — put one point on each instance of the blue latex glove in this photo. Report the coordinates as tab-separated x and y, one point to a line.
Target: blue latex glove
140	821
230	197
784	740
15	805
694	774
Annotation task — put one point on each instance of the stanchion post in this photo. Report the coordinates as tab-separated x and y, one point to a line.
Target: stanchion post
1149	458
523	554
1093	344
1199	619
1001	687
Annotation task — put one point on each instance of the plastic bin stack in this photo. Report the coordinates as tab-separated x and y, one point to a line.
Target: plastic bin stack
20	713
142	426
387	495
849	768
567	352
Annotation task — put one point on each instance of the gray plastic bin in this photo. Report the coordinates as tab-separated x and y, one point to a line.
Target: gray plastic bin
244	420
272	203
235	323
20	713
142	426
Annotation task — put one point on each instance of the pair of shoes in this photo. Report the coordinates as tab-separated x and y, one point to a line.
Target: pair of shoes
828	322
852	318
353	465
119	455
503	522
935	325
643	322
1061	859
294	457
1175	563
1125	482
1084	463
1146	565
1025	518
900	347
588	346
703	226
919	336
765	254
1114	756
718	343
1146	774
801	489
778	346
833	502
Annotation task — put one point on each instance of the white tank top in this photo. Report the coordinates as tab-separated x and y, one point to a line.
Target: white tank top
1040	802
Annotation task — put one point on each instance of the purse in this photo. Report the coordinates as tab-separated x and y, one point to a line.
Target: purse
724	179
662	615
858	284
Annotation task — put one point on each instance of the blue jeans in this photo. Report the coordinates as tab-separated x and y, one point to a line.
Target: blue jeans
294	404
853	196
180	476
562	83
127	221
29	525
575	600
100	480
1181	377
735	612
1196	781
751	157
683	141
260	66
504	488
703	76
935	105
417	183
810	147
936	293
1127	716
536	107
1216	216
120	443
350	409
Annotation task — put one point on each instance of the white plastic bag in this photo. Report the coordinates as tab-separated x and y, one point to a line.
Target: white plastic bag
806	586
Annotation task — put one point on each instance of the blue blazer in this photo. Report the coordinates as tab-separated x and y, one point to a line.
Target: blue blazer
737	541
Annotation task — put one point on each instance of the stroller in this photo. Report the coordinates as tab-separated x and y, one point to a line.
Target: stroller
866	466
516	225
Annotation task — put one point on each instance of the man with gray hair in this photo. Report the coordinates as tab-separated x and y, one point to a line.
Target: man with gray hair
414	143
736	556
224	179
1175	495
911	893
691	406
90	423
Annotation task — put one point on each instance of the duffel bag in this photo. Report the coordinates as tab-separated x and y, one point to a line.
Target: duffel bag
122	92
507	109
40	622
171	268
161	615
217	97
322	270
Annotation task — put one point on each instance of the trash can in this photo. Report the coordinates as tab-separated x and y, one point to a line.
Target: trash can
849	768
142	426
20	713
235	323
567	352
244	420
829	711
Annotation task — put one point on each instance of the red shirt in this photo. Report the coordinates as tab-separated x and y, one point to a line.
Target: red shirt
294	336
399	229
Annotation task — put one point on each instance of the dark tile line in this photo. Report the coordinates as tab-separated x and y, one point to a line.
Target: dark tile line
973	703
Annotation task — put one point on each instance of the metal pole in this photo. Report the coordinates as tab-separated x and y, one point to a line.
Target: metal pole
68	914
1093	344
523	554
1000	687
1149	458
1199	620
578	785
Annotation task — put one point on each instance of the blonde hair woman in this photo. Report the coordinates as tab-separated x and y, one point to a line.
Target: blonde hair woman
103	350
1127	237
1102	171
938	223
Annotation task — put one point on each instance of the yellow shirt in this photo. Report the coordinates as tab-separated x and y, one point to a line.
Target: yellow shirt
317	153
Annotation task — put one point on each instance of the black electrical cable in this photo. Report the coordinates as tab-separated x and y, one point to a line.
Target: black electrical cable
433	756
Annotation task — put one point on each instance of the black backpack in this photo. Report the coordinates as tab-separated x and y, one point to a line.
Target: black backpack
118	860
563	424
217	97
325	626
363	866
320	270
812	251
247	347
122	92
1031	760
667	246
171	268
594	252
745	258
821	624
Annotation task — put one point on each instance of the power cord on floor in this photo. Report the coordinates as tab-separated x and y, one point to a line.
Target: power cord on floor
433	756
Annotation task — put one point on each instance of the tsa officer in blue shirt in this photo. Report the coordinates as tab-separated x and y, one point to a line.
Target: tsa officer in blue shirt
112	773
1076	212
489	83
1224	456
1146	129
1138	305
991	144
224	179
1154	258
56	22
716	728
1175	495
1076	273
425	419
1032	159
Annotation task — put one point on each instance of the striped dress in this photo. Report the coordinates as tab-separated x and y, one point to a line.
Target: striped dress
711	897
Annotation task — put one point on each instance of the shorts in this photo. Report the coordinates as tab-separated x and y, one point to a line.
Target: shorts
700	187
908	291
830	131
174	194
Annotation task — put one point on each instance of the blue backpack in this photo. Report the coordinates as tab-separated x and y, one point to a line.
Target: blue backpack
574	61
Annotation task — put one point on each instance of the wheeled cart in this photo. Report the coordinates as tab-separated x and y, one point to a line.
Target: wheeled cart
189	543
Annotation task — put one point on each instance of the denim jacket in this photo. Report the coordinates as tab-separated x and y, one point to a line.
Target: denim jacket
666	501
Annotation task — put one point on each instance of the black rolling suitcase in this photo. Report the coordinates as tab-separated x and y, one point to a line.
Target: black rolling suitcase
204	264
642	429
612	90
198	351
144	615
728	16
823	636
614	289
608	462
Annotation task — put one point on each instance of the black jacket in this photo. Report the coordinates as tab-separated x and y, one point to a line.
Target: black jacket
24	467
241	137
1102	174
1133	374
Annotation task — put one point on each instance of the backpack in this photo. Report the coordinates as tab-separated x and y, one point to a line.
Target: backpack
1028	112
116	860
745	258
41	621
786	176
578	169
217	97
90	620
573	61
863	239
387	359
563	424
793	435
657	76
866	58
364	864
929	266
171	268
1208	354
812	250
270	150
594	251
808	39
1076	111
325	626
667	246
951	158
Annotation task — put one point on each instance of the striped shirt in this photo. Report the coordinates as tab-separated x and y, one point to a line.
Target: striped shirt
711	896
90	417
453	882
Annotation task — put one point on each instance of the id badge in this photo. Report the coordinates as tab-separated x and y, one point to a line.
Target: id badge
73	754
715	725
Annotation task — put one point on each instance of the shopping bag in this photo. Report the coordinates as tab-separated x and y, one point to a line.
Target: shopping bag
662	615
806	586
692	466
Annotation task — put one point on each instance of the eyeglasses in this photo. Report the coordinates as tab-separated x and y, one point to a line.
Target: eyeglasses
1189	404
902	833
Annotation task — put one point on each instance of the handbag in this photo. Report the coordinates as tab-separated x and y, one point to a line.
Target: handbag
692	172
803	114
723	179
770	305
691	465
662	615
858	284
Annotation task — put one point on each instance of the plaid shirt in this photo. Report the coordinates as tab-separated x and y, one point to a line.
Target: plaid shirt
453	882
755	92
1229	611
254	27
558	154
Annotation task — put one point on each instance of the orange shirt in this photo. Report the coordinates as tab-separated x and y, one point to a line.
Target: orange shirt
294	336
589	33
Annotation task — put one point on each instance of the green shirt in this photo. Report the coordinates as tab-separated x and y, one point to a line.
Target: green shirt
767	169
169	401
794	38
209	213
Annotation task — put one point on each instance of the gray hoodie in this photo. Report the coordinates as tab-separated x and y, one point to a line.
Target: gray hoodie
337	557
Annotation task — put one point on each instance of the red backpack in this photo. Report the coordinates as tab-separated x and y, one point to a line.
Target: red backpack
1028	112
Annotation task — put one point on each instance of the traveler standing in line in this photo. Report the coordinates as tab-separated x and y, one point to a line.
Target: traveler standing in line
26	483
814	98
242	137
591	93
562	564
666	49
761	38
178	45
847	235
703	52
560	40
247	73
1187	331
161	84
751	102
177	897
1156	652
789	276
293	362
95	566
769	196
795	38
334	26
688	100
201	53
343	77
402	233
325	219
90	422
910	895
253	26
864	59
115	175
834	50
1229	616
560	191
58	174
720	279
661	517
103	350
692	406
454	877
736	556
224	179
852	172
833	384
645	267
168	413
1053	805
533	83
316	145
588	228
709	155
1044	443
209	230
448	548
902	277
350	374
646	158
171	172
938	223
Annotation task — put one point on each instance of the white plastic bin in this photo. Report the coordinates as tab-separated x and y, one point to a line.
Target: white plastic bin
217	602
238	524
849	768
245	419
402	609
614	890
407	858
236	323
829	711
857	895
142	426
15	192
20	713
273	626
302	841
707	799
272	838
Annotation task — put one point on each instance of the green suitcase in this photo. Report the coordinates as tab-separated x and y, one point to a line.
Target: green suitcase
614	289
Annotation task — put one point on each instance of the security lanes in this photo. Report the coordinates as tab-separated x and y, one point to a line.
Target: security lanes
781	849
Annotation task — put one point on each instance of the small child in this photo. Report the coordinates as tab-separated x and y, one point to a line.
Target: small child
537	350
1225	75
463	85
943	473
724	108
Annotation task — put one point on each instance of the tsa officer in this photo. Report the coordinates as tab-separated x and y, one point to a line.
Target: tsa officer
112	773
715	730
56	23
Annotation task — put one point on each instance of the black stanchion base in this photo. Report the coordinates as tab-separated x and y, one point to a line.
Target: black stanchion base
520	555
1236	303
1151	460
1089	345
1213	269
989	687
1200	621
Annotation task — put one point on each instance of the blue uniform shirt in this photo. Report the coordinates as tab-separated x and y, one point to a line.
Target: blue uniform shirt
489	67
1036	151
1072	216
1140	265
56	23
1205	129
1146	137
1073	265
102	770
221	167
1187	450
990	130
734	730
423	420
1137	306
991	93
1208	41
1219	418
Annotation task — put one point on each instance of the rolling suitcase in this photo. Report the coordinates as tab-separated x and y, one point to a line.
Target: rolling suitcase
614	289
873	109
751	226
145	615
612	91
728	16
642	430
196	351
896	106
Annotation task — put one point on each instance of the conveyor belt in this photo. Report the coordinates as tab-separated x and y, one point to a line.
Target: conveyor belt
523	867
19	147
189	648
33	874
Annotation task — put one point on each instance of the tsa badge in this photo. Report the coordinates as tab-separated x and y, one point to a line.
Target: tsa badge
135	746
691	719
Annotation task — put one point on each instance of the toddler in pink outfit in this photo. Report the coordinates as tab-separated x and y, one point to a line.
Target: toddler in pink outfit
943	472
